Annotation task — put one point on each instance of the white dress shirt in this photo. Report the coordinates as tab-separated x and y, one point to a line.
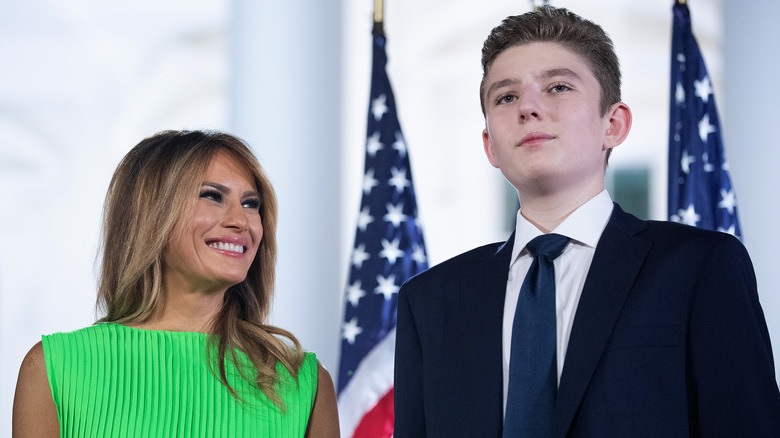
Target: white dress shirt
584	227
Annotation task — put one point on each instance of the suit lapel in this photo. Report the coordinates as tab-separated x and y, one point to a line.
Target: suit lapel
616	263
480	312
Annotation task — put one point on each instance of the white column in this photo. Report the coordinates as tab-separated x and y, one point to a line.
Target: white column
284	101
751	45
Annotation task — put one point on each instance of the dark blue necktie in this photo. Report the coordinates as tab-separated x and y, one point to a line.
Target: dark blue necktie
533	371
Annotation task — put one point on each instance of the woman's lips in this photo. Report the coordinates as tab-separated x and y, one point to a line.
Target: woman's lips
233	246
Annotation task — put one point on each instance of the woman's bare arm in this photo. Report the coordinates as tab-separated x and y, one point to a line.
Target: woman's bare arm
34	412
324	419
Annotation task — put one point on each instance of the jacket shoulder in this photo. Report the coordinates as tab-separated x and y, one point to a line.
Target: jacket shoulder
460	265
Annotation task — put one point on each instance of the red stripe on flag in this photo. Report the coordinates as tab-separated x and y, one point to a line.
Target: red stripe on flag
378	422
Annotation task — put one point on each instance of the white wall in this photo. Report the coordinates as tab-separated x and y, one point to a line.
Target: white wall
284	94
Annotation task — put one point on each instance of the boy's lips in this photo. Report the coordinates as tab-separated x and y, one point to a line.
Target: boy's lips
534	138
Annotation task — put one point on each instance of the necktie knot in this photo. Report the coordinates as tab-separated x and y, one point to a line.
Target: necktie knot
548	245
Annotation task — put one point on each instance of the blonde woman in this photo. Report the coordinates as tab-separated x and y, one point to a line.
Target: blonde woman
188	255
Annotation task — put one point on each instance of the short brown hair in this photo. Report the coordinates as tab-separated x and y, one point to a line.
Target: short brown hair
558	25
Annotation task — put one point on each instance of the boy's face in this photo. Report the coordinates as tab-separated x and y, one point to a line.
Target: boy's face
543	125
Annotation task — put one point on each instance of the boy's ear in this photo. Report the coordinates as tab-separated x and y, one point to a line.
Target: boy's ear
618	124
487	143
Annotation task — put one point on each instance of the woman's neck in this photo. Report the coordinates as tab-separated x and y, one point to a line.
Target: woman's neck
184	310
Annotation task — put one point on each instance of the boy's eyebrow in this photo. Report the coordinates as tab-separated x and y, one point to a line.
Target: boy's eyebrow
500	84
559	72
547	74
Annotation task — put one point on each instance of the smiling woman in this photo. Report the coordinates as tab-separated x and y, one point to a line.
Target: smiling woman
184	349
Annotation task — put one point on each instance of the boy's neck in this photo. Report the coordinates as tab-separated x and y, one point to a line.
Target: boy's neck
548	210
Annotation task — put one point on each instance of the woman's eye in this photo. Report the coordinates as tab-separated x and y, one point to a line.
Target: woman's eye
212	195
560	88
253	203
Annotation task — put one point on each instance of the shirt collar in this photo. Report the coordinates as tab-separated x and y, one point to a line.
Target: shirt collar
584	225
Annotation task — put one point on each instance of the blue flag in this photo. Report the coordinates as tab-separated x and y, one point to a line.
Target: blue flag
388	249
700	191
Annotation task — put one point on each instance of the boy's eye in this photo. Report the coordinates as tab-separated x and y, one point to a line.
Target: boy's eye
506	99
212	195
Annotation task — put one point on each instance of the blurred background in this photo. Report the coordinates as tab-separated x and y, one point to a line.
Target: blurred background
84	81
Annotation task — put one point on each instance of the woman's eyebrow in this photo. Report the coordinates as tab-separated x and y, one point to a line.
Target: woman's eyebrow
218	186
225	189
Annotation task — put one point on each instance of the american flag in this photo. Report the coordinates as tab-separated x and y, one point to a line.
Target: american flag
700	191
388	249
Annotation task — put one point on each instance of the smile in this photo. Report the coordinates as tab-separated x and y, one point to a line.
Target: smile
227	247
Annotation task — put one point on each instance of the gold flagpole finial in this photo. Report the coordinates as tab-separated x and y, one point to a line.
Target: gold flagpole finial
379	11
536	4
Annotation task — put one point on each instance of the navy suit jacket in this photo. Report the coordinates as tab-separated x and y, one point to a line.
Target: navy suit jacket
668	340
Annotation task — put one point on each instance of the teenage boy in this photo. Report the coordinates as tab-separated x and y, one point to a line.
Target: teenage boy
625	328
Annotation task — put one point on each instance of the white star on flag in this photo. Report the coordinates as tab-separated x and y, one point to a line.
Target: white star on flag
379	107
679	94
685	162
390	250
399	180
728	200
730	230
369	182
373	145
708	167
364	219
359	255
355	293
395	214
400	144
705	128
703	89
688	216
351	330
386	286
418	254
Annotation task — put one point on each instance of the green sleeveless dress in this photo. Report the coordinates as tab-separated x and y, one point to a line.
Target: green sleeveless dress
109	380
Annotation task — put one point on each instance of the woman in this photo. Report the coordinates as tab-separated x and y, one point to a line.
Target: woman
189	249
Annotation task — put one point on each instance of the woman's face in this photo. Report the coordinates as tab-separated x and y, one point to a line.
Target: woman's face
214	248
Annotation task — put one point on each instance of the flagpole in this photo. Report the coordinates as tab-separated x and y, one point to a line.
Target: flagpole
379	16
379	11
388	250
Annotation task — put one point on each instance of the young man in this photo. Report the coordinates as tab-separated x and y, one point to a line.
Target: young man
656	327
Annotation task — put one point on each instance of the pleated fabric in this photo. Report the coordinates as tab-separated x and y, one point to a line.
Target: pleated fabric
109	380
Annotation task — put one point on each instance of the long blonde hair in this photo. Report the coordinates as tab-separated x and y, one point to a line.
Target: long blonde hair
154	187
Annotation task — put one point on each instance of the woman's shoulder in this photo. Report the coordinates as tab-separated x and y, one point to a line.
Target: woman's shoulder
73	340
97	328
34	361
324	420
34	413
